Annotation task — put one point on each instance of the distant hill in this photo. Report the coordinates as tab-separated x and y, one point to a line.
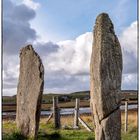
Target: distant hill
82	95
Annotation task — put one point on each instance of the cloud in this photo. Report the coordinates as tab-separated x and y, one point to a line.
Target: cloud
9	92
31	4
44	49
73	56
11	66
16	26
68	65
17	32
60	82
10	74
56	59
128	40
130	80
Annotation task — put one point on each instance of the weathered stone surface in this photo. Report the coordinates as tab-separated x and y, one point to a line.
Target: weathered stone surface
105	80
29	92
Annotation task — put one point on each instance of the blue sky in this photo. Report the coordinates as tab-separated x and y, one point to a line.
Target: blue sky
68	19
61	33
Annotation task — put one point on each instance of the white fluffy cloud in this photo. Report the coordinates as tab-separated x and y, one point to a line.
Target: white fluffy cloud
10	74
73	56
130	80
128	41
31	4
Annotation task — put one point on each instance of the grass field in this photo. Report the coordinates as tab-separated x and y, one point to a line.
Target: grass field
47	131
71	104
47	106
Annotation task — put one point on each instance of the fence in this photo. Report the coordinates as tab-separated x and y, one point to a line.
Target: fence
56	116
77	119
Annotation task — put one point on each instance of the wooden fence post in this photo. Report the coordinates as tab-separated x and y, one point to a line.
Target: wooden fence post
56	113
84	124
126	117
76	114
50	116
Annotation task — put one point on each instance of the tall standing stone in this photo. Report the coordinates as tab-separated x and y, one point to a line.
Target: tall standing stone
29	92
105	80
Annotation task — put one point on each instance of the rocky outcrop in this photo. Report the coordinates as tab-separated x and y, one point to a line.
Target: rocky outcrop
29	92
105	80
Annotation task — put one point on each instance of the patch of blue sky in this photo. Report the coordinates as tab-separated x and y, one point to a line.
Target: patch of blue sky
67	19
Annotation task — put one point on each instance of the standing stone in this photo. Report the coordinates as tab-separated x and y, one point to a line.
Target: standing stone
29	92
105	80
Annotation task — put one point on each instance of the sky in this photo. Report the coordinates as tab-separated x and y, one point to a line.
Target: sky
61	33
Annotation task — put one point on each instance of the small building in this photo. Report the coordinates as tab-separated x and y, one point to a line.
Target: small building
64	98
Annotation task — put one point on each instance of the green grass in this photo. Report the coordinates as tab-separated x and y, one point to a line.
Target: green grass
83	103
14	136
66	135
131	134
57	135
47	132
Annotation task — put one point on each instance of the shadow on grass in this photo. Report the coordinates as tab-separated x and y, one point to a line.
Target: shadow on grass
53	136
13	136
41	136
